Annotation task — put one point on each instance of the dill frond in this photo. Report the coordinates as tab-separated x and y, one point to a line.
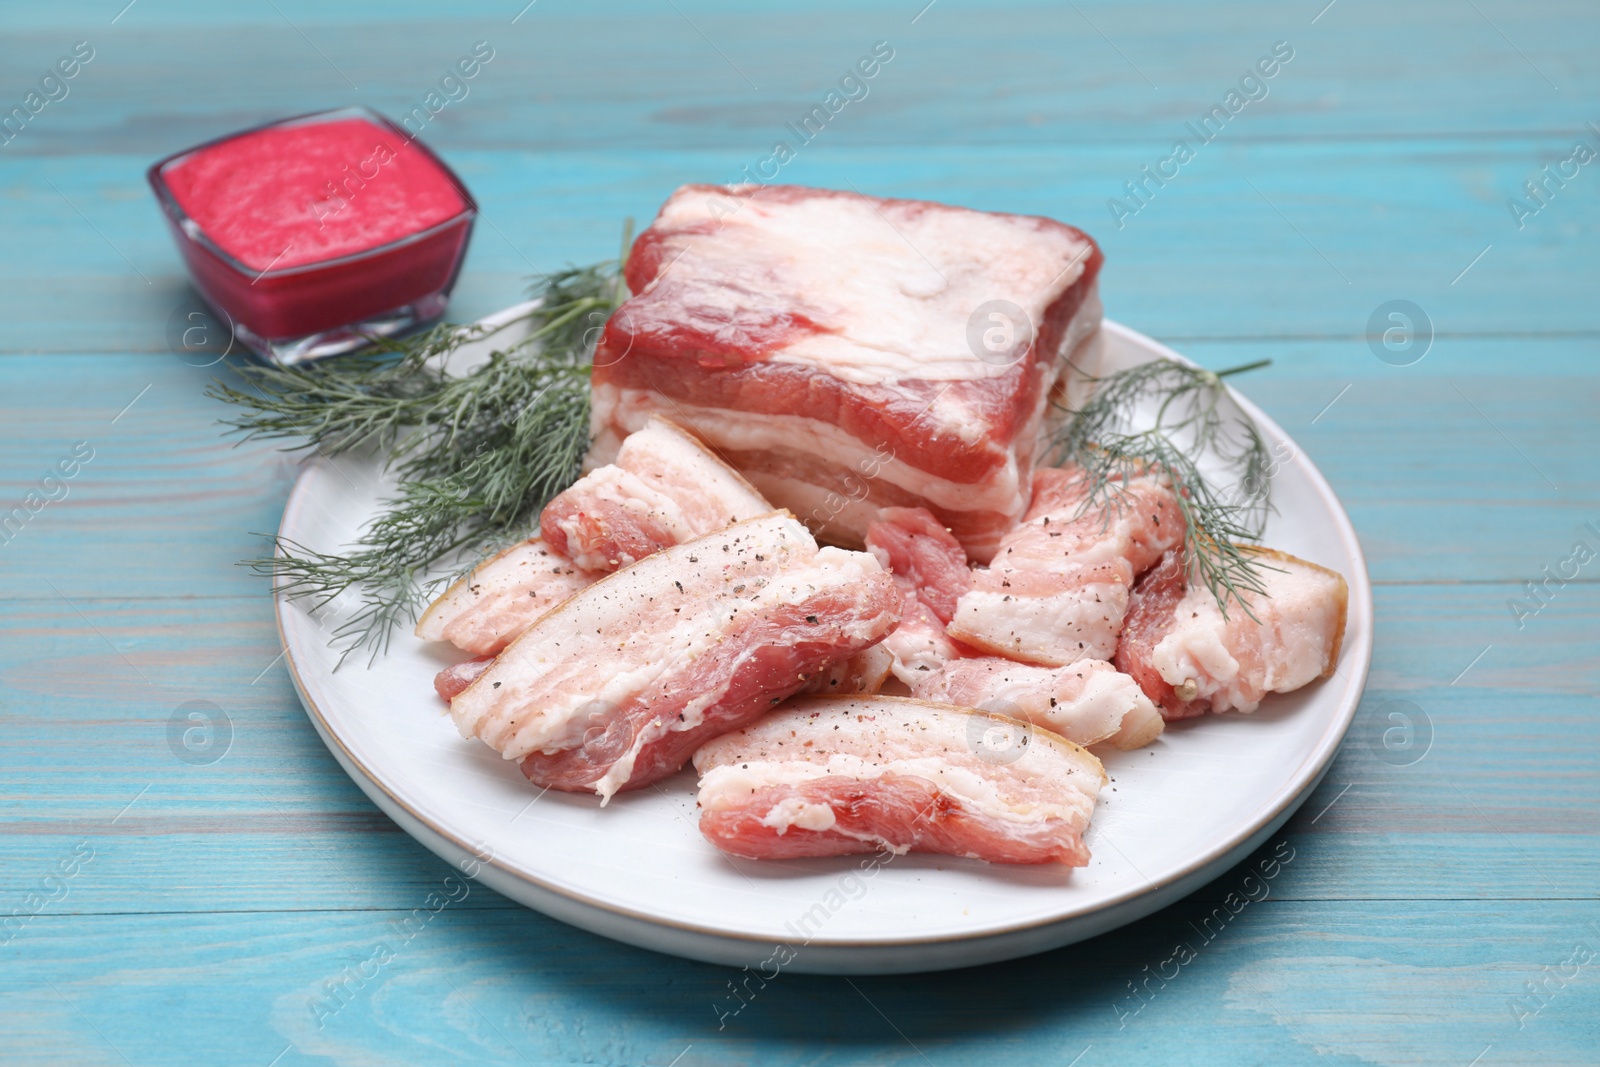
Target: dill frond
1193	424
477	454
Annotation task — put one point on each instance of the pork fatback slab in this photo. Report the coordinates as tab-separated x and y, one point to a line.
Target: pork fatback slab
848	352
1087	702
502	596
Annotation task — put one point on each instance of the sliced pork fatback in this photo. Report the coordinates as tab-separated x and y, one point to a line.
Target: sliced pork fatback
1087	703
828	776
482	612
616	687
847	352
864	672
664	488
1057	589
930	569
1189	659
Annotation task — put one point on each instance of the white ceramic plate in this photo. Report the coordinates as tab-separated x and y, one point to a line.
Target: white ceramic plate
1178	813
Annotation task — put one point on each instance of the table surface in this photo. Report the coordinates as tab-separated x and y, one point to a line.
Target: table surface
1441	903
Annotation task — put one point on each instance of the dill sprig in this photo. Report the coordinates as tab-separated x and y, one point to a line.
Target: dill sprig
1191	423
477	454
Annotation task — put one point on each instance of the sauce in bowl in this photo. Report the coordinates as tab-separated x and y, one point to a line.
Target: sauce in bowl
315	233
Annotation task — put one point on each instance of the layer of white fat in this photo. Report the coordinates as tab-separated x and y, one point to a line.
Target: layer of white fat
799	813
679	465
633	494
737	431
834	570
1140	726
1077	624
1102	709
623	633
898	304
525	566
1288	644
833	516
938	744
1087	708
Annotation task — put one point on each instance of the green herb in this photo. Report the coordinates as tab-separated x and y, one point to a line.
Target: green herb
1191	423
477	454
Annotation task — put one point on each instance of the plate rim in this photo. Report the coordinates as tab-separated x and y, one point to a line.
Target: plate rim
1277	809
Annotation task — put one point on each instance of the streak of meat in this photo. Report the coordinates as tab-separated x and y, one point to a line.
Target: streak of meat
923	555
832	776
618	685
454	680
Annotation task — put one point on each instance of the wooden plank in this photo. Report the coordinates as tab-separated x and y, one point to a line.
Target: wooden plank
731	75
1392	982
162	496
1236	247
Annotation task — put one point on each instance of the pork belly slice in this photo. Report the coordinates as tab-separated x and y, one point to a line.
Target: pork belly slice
826	776
482	612
840	348
864	672
1057	590
664	488
1190	660
1087	703
618	685
930	570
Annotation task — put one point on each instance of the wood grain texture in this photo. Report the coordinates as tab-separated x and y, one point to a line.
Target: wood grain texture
1232	248
214	907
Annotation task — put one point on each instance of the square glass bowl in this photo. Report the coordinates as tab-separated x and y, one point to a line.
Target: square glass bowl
296	311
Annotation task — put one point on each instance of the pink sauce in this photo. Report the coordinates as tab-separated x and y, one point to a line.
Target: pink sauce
286	196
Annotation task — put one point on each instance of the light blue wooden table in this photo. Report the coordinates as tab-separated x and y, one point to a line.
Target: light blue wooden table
1441	904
